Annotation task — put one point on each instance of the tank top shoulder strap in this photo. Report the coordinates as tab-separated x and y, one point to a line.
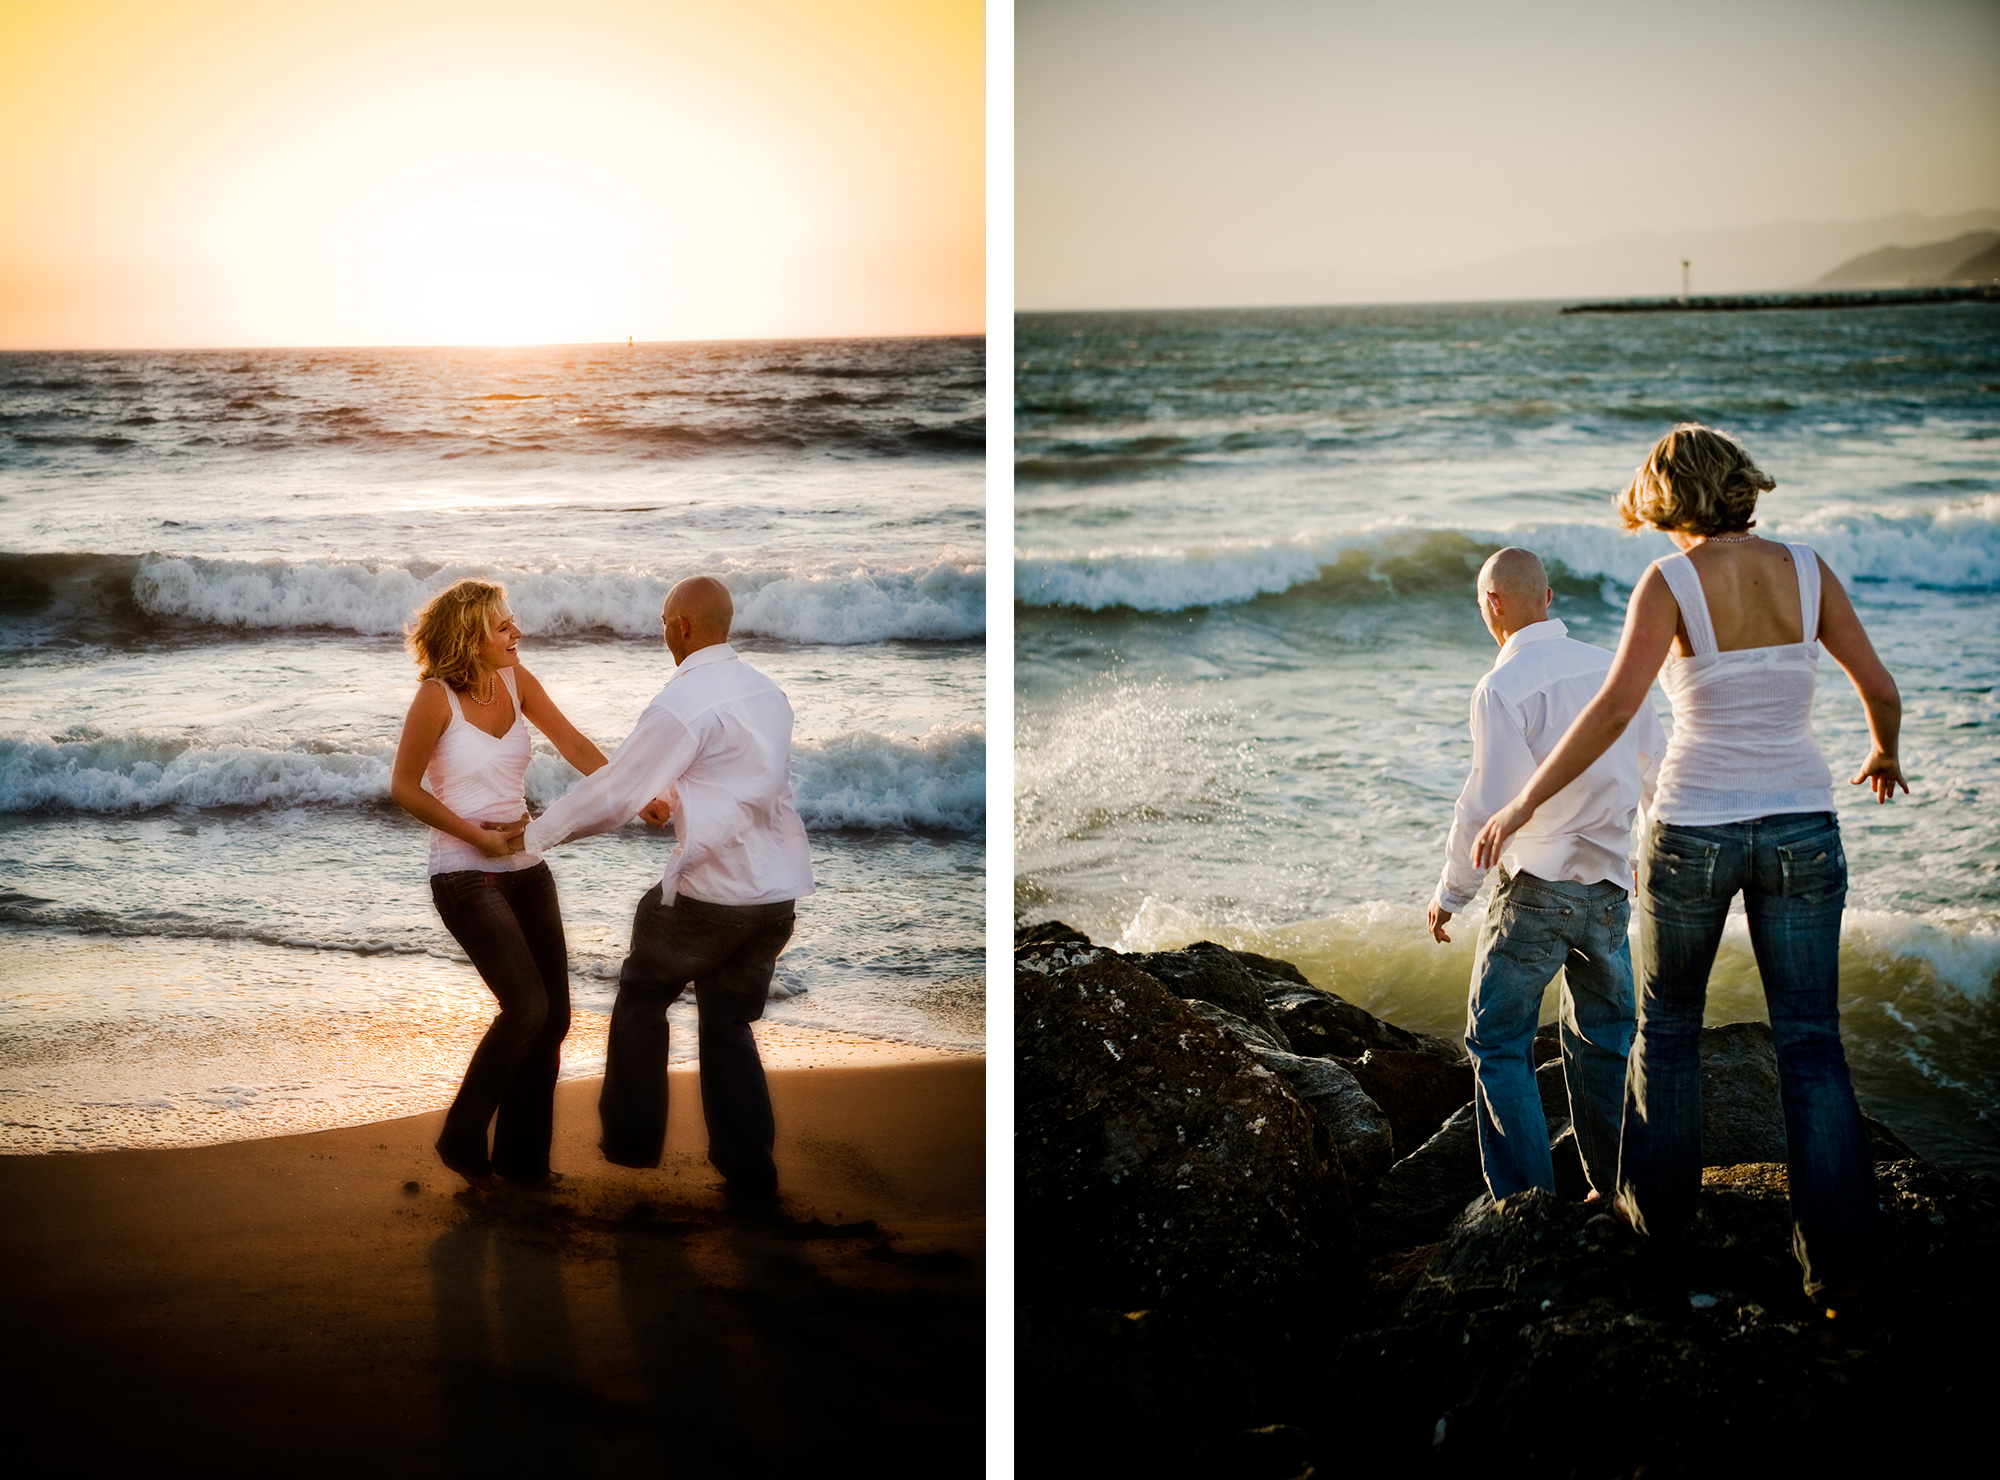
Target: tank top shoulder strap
1685	583
1806	563
450	697
512	687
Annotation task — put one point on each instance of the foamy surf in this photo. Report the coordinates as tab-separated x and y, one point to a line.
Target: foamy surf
859	779
942	601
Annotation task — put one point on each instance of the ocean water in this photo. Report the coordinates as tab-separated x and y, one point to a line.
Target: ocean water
207	560
1246	632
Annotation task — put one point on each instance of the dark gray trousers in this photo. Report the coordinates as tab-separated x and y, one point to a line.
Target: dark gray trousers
728	954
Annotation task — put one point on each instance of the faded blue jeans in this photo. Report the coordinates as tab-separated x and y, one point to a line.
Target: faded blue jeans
1535	928
1793	877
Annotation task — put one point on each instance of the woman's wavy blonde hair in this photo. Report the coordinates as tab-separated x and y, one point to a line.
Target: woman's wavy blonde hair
446	636
1697	480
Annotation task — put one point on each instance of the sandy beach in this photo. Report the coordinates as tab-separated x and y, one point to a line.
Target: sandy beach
338	1303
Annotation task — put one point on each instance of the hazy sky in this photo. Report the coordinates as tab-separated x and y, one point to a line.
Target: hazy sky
1177	153
194	172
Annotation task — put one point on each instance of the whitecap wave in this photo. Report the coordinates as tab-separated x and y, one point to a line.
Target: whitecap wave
1953	547
943	601
860	779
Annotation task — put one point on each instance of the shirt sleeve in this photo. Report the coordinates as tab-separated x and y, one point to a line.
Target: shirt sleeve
647	765
1652	746
1501	766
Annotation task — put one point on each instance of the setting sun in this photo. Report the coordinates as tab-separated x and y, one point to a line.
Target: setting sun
225	172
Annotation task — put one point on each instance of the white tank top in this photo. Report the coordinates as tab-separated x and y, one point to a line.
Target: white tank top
1742	745
479	777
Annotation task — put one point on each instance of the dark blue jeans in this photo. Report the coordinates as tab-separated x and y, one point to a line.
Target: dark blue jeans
728	953
1793	878
511	927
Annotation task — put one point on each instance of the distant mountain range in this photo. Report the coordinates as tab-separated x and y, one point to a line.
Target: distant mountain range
1779	257
1970	257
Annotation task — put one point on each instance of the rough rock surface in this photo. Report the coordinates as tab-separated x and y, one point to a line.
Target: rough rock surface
1361	1132
1533	1308
1157	1164
1742	1116
1418	1091
1323	1024
1212	973
1247	1033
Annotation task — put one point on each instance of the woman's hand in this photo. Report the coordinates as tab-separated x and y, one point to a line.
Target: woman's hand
1492	839
502	839
1883	775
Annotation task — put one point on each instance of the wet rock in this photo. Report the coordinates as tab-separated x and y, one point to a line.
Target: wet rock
1211	973
1361	1133
1417	1091
1427	1190
1247	1033
1110	1392
1742	1114
1323	1024
1273	1452
1049	933
1711	1361
1157	1164
1271	966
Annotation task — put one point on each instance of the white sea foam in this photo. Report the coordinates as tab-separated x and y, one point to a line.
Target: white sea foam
1955	546
944	600
860	779
863	779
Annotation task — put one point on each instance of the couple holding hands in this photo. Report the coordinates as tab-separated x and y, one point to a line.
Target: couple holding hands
712	752
1565	748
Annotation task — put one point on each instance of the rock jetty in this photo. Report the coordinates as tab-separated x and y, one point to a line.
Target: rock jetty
1252	1240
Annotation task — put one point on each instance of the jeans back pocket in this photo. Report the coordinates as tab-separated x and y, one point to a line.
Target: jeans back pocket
1815	870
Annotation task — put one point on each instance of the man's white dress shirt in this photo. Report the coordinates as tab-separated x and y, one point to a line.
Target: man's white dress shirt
719	738
1520	710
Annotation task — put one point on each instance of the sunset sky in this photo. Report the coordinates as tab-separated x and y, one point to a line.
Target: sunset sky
249	172
1184	152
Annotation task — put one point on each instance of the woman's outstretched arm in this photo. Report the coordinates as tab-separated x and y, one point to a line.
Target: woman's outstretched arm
429	713
570	742
1841	634
1650	620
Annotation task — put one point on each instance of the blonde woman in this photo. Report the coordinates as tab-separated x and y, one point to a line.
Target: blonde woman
467	731
1732	625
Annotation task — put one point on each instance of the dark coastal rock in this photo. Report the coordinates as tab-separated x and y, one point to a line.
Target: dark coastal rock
1426	1191
1711	1362
1742	1115
1247	1033
1361	1132
1417	1091
1323	1024
1049	933
1104	1392
1214	974
1157	1164
1271	966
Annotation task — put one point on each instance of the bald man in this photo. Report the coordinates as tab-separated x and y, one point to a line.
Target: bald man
1564	895
714	746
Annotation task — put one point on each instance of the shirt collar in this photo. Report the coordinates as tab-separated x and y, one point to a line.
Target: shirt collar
1534	632
715	652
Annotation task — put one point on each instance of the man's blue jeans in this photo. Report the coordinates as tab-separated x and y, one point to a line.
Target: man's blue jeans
1793	878
1535	928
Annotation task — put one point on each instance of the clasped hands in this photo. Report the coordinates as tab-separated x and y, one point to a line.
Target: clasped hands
507	841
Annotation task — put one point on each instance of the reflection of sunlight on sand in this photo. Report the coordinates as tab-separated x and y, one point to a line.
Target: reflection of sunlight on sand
119	1067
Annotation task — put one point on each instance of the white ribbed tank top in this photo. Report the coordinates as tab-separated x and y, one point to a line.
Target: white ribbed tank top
1742	745
479	777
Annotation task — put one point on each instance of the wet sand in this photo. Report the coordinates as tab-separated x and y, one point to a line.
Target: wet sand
336	1303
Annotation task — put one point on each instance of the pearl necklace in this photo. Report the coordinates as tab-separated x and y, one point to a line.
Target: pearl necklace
1727	539
491	679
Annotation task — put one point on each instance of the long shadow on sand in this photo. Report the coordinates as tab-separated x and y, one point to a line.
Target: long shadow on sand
648	1338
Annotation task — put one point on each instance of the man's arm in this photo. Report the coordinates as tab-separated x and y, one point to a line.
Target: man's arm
1501	764
646	766
1652	746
